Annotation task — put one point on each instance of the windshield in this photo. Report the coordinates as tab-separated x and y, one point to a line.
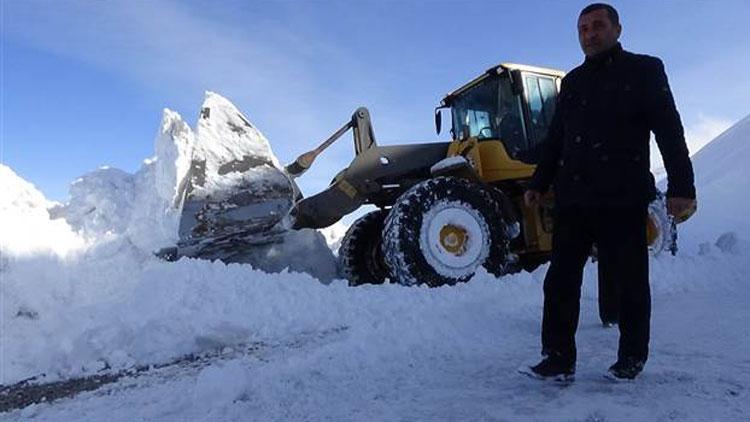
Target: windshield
490	110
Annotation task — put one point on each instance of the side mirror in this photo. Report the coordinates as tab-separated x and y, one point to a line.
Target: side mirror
438	120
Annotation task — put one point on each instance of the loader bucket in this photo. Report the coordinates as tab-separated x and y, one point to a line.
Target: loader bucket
234	193
251	203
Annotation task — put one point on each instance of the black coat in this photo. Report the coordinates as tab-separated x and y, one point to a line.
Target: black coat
597	147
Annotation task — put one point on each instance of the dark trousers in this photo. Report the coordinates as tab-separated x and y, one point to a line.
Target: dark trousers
609	305
620	235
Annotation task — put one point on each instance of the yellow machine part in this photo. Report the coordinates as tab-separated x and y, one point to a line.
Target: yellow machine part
498	166
454	239
468	148
537	225
652	230
490	160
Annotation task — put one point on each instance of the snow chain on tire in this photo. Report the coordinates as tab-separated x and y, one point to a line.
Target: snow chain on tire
665	238
425	220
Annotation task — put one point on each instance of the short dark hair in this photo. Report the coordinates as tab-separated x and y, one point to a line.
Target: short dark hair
611	11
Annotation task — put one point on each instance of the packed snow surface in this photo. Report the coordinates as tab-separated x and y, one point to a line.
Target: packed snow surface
331	352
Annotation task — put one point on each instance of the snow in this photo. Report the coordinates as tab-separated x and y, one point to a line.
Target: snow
143	208
721	181
25	225
85	294
224	135
448	163
334	234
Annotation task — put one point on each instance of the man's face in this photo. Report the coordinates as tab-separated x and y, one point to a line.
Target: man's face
596	33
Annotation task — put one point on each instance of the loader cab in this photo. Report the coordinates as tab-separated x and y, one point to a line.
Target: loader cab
513	104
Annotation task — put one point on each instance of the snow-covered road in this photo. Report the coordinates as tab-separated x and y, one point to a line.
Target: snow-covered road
452	354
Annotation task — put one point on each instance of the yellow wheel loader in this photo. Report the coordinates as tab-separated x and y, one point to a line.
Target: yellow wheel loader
443	209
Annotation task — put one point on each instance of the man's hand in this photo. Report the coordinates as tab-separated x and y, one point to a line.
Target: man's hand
681	208
532	198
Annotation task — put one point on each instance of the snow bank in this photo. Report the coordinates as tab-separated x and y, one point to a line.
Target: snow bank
144	207
722	176
129	309
25	225
113	222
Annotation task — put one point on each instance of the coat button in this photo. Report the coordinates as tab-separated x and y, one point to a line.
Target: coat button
637	158
577	139
577	177
604	158
584	102
561	162
597	145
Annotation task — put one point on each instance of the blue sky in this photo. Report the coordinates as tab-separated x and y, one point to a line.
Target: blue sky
84	82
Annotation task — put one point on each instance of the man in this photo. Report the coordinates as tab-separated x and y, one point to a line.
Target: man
597	156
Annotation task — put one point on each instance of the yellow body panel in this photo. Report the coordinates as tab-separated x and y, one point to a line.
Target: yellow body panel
490	160
469	149
498	166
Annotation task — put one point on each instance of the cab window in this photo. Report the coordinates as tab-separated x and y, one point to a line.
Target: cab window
473	112
540	95
490	110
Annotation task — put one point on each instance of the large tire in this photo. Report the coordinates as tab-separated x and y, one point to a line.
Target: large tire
360	253
441	230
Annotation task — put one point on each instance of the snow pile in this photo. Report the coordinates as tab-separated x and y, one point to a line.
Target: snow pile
303	251
143	207
110	303
334	234
101	202
225	135
722	176
25	225
67	320
174	146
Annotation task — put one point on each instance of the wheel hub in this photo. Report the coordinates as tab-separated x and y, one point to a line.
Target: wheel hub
453	239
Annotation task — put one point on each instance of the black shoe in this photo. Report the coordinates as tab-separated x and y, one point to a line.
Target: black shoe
626	369
552	367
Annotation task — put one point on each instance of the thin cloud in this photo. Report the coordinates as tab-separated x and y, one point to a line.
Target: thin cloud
280	73
168	46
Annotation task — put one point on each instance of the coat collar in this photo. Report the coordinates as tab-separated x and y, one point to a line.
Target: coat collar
605	57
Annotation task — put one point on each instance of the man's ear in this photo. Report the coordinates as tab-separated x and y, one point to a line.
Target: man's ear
619	30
